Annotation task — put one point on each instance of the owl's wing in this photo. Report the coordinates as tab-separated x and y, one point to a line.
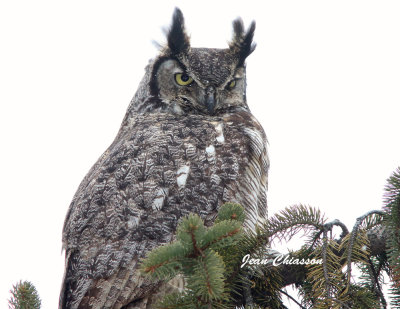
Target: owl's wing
257	171
114	219
250	187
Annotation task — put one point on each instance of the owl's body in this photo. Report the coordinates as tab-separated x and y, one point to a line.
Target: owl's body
188	143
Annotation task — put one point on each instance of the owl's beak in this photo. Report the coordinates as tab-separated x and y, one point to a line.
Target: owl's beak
210	100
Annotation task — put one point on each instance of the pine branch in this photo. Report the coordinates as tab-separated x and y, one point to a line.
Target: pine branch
193	255
375	279
291	220
392	223
207	281
293	299
24	296
354	232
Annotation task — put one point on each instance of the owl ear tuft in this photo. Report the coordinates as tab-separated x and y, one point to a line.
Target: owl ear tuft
178	40
242	42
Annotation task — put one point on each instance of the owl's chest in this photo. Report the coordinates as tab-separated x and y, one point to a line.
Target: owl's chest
189	147
164	163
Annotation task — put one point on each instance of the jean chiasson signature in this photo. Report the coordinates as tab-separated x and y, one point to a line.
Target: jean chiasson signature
285	259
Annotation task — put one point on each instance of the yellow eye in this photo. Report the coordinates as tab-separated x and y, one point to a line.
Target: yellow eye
183	79
232	84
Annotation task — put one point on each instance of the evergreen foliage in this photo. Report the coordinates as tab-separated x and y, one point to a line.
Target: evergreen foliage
392	221
24	296
195	255
210	259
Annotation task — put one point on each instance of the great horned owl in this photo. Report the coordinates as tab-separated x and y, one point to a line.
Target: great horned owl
188	143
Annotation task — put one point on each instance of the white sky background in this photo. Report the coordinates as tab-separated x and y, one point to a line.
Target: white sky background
324	82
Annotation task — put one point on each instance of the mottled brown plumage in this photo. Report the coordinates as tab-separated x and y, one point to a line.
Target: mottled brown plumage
180	149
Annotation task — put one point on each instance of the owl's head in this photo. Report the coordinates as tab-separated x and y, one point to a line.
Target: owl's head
201	80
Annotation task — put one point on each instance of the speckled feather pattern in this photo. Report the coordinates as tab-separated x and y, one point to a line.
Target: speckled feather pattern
161	166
